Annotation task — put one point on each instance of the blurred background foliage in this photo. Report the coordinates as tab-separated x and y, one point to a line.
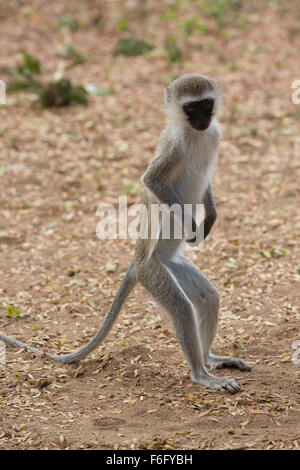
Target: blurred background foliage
168	29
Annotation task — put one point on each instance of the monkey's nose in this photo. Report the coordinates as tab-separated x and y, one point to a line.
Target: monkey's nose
203	127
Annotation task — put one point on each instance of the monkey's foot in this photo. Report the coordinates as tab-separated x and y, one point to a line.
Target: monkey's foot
223	384
218	362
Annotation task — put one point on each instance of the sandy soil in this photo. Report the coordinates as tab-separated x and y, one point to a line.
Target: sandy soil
58	165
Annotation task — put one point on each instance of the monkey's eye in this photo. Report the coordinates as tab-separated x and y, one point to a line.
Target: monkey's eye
192	106
207	104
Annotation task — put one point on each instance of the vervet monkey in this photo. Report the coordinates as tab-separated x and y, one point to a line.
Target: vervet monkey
180	173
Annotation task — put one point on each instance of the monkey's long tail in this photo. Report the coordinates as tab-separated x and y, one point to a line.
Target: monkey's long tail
124	290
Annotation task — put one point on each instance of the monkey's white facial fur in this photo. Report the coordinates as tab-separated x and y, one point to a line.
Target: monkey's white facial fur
192	100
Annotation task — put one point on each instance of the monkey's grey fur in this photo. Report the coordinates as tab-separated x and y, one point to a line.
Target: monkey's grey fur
180	173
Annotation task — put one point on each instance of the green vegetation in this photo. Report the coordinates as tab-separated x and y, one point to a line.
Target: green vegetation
68	22
57	92
12	312
174	54
131	47
73	55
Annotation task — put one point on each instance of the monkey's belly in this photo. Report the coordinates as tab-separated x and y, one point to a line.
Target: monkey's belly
191	187
167	249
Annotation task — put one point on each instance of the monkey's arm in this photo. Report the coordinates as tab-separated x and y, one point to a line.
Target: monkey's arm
210	211
157	179
161	188
210	217
158	176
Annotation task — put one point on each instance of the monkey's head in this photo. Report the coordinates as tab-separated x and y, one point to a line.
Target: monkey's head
193	99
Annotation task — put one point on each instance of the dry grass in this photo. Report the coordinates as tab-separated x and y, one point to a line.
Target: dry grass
58	165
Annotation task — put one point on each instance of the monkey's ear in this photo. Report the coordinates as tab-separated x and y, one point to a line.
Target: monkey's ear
167	92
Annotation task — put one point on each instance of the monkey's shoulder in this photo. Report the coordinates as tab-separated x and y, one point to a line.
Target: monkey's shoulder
170	142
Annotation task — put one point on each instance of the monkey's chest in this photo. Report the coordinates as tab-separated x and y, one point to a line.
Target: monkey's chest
196	170
191	185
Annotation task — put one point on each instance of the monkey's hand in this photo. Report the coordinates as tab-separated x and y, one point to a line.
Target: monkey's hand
192	236
202	231
193	242
198	237
208	223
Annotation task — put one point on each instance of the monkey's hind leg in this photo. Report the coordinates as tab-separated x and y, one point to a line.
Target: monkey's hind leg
205	299
159	281
219	362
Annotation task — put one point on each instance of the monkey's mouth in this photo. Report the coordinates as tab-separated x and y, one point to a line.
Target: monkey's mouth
200	126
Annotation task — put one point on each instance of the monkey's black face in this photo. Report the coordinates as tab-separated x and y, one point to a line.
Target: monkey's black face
199	113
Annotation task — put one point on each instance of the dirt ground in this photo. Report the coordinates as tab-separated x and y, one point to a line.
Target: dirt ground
58	165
